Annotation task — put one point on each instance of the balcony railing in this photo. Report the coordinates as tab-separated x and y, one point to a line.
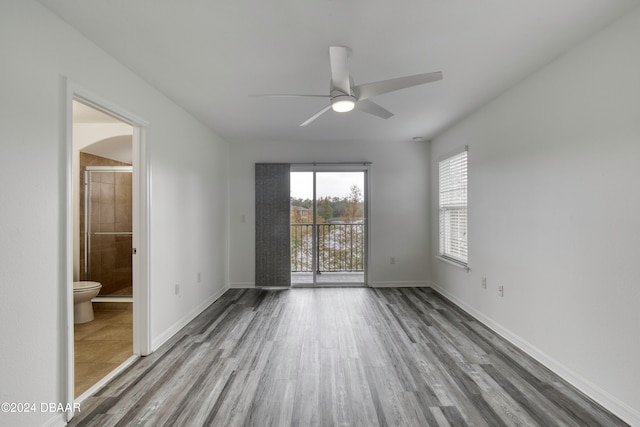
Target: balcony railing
339	247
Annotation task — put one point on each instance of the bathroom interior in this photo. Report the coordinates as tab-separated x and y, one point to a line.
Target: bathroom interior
103	233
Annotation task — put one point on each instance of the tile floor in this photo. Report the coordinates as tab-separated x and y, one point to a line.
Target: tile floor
102	344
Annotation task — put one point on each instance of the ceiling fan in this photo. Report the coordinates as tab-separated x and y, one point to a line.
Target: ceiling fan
345	96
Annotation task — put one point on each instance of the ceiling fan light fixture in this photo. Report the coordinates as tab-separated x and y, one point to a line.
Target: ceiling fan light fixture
343	103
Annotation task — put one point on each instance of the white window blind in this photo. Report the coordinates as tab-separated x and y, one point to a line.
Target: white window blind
453	207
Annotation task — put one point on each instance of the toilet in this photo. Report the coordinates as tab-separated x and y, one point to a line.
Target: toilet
83	292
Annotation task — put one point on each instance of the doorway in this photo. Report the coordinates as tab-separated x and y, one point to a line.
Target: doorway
96	168
329	235
103	328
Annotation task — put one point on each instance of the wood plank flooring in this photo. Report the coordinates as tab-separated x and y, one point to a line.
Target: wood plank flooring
338	356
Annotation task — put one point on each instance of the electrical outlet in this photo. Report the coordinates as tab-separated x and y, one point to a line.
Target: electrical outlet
501	291
199	277
484	283
392	260
177	289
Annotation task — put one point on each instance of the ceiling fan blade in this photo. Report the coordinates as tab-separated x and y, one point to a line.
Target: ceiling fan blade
368	90
371	107
339	69
285	95
316	115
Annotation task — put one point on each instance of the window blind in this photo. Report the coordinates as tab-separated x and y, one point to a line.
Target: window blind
453	207
273	231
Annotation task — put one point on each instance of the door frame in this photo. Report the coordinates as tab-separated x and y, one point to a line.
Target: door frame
88	182
364	167
141	203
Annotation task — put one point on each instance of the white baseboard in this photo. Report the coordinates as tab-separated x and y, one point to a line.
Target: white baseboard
242	285
172	330
406	284
611	403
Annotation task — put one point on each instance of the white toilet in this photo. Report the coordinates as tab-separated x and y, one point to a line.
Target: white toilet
83	292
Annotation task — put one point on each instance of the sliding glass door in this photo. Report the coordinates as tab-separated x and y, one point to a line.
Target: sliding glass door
329	226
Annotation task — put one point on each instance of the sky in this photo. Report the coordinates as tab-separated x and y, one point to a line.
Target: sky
330	184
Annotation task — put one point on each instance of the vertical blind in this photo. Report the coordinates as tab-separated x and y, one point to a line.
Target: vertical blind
453	207
273	241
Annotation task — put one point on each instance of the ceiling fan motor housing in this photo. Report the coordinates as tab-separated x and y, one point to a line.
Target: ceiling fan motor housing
341	102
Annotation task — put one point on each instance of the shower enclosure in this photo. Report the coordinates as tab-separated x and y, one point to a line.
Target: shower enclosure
106	229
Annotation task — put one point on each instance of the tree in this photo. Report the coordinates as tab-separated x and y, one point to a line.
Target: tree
339	206
306	203
354	206
325	211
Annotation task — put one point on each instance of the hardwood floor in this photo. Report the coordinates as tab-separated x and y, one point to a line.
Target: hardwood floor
338	356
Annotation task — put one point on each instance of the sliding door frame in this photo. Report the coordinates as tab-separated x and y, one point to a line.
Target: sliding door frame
315	168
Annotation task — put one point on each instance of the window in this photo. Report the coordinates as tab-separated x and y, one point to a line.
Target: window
453	207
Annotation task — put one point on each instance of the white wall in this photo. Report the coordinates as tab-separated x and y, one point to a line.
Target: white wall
399	203
189	191
554	215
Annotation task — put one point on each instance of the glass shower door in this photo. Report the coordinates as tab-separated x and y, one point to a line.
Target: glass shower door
108	229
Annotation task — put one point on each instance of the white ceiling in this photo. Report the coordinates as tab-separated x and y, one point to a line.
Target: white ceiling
208	56
101	134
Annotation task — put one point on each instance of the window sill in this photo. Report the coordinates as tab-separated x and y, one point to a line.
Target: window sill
458	264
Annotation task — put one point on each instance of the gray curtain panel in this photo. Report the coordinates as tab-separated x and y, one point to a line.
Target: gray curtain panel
273	240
